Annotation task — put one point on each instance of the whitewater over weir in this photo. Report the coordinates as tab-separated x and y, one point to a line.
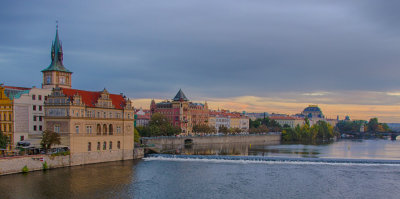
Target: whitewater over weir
272	160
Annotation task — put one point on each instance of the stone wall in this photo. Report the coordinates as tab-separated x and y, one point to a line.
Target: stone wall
33	162
138	153
255	139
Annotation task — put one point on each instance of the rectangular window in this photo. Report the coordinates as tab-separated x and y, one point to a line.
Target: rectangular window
77	129
98	146
119	145
34	107
40	128
40	108
89	146
40	118
34	118
57	128
33	97
21	138
45	98
110	145
89	129
34	127
104	145
40	97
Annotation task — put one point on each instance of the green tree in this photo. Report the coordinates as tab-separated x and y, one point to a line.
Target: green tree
49	138
4	140
158	126
223	129
373	124
136	136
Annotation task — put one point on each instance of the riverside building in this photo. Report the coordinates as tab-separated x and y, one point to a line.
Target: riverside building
96	126
181	112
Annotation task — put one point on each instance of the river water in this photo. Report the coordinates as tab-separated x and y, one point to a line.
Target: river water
343	169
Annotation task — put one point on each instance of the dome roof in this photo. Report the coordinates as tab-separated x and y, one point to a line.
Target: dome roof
312	109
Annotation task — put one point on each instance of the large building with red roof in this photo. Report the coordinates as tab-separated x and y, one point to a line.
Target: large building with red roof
96	126
181	112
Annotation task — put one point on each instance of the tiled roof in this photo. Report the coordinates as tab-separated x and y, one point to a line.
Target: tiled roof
90	98
180	96
284	118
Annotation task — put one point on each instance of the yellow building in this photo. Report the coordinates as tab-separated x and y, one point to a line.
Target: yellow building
6	116
235	121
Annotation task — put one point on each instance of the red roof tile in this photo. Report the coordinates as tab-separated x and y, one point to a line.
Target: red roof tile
90	98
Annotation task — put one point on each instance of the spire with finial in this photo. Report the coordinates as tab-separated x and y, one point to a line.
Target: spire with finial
56	55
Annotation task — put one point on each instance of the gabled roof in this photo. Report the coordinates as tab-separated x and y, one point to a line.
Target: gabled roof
56	57
90	98
180	96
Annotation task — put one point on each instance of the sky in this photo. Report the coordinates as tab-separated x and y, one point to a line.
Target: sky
243	55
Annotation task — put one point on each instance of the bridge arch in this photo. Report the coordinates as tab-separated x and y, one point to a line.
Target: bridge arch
188	141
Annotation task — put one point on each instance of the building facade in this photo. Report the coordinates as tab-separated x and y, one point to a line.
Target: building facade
6	116
287	120
181	112
96	126
28	111
142	117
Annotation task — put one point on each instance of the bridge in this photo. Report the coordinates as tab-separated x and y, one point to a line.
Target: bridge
265	138
393	135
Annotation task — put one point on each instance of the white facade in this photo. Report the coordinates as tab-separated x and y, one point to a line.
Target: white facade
29	114
244	123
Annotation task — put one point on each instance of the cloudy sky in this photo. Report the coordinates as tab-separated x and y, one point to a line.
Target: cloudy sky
252	55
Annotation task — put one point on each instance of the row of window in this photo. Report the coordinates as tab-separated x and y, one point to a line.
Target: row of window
36	118
110	146
39	97
6	117
34	107
35	128
6	127
100	130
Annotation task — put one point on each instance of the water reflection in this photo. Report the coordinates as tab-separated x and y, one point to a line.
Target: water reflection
80	181
350	149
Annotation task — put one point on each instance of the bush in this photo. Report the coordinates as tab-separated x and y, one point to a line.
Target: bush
45	166
25	169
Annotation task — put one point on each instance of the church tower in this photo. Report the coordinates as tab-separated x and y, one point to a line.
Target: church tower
56	75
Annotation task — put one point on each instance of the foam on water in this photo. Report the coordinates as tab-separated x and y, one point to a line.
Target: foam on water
272	160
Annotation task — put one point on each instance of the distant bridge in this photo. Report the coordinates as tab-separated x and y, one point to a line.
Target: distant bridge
393	135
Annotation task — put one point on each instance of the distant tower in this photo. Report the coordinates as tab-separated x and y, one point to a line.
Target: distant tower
56	75
153	106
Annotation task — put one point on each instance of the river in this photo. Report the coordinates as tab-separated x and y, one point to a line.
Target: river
343	169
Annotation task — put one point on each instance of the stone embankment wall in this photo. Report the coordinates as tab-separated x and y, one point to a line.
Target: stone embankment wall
252	139
33	162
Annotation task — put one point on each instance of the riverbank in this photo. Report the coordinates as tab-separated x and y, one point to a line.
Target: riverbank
21	164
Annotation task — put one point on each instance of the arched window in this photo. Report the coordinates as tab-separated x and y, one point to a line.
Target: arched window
119	145
110	145
104	145
104	129
98	132
89	146
98	146
110	129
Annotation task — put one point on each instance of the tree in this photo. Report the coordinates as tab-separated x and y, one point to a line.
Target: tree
373	124
223	129
136	136
158	126
50	138
4	140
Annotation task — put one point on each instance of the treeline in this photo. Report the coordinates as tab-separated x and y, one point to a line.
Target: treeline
264	125
354	126
321	131
158	126
306	133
